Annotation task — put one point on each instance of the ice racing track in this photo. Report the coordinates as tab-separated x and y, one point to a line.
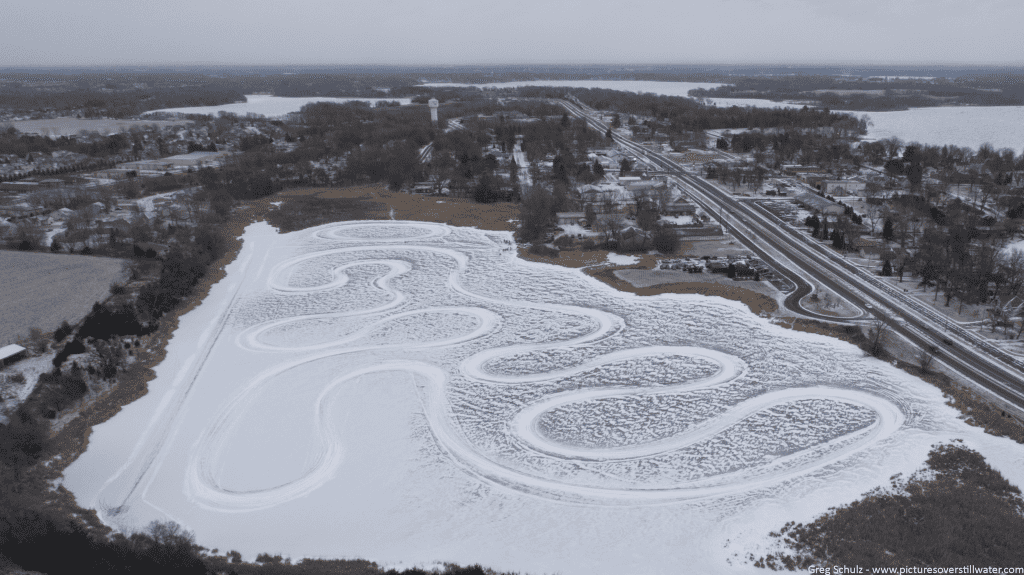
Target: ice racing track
389	331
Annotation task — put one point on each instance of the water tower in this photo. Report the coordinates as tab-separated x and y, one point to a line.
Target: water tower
433	110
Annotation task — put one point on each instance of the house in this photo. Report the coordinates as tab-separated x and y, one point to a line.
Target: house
118	226
680	207
423	187
20	186
813	179
842	187
61	215
796	169
698	231
608	198
571	218
11	353
632	238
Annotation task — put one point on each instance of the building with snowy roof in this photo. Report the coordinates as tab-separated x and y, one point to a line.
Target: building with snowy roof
11	353
816	203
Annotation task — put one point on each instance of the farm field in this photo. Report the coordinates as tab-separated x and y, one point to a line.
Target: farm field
413	392
41	290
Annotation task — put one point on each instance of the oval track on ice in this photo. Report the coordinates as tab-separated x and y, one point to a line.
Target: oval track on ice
327	449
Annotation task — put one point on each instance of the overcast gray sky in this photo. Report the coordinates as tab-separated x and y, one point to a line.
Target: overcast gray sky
71	32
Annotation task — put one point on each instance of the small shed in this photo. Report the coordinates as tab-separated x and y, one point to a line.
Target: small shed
11	353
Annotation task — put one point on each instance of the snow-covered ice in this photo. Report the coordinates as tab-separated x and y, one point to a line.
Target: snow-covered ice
411	392
272	106
971	126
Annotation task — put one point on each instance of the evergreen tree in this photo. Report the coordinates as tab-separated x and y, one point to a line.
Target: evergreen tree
887	232
886	269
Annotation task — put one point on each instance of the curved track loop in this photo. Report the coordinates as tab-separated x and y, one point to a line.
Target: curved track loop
328	453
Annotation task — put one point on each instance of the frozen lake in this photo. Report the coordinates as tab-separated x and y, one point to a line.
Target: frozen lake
272	106
410	392
972	126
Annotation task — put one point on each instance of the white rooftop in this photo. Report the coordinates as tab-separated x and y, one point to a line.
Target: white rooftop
9	350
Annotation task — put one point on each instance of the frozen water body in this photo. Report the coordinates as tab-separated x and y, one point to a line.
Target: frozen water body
272	106
410	392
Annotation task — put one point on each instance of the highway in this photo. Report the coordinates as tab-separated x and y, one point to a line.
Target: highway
926	328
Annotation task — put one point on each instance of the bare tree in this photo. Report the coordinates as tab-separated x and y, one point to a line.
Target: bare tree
109	356
873	217
892	146
925	355
878	331
664	197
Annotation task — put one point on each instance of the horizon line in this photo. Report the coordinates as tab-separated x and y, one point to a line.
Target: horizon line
115	65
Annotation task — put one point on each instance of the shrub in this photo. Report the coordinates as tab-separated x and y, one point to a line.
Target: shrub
589	244
62	332
23	439
543	250
70	348
962	511
666	240
563	241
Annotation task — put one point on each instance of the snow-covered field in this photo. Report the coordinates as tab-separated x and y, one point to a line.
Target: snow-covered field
41	290
272	106
410	392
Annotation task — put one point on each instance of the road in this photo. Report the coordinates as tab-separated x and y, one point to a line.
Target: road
926	328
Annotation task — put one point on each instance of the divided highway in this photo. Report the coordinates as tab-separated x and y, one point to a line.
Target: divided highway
960	349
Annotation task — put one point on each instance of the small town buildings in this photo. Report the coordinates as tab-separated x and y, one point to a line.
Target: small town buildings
818	204
837	188
20	210
19	186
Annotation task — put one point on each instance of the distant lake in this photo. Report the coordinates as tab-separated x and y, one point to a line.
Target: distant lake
272	106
